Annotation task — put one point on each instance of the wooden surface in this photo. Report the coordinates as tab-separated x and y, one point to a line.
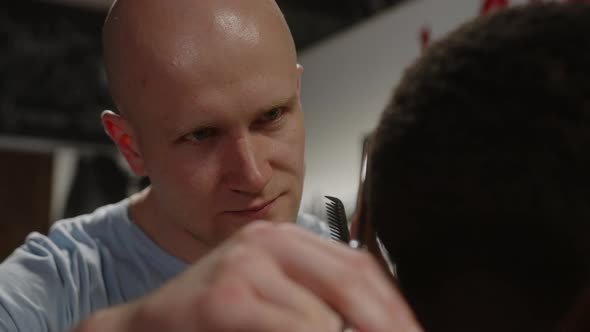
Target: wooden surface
25	196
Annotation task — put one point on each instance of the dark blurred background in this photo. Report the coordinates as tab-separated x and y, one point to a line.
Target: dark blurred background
55	159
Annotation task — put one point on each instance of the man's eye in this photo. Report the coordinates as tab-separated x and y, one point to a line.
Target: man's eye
272	115
200	134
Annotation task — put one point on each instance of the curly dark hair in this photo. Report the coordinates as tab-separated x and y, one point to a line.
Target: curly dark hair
480	172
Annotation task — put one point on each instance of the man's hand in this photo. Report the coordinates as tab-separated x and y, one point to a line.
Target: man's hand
269	277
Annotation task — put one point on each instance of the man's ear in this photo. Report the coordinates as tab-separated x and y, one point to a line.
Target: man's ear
121	133
299	74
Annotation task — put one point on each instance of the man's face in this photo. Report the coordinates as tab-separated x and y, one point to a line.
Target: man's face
223	143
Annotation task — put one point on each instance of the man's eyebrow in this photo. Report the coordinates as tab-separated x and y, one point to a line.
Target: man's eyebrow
173	132
281	103
183	128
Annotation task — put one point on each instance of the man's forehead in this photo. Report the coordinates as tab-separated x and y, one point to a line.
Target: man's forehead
218	108
178	33
190	44
167	18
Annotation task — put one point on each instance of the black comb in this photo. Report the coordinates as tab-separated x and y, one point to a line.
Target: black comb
337	220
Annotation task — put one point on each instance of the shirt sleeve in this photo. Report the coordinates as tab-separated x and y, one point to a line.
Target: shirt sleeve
39	287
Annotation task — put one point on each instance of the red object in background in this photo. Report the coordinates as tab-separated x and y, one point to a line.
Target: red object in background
425	34
491	5
486	7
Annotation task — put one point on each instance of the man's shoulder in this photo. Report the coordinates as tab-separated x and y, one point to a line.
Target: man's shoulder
59	275
102	216
87	228
80	236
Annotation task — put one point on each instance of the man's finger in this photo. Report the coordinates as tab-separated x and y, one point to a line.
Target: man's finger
270	283
347	280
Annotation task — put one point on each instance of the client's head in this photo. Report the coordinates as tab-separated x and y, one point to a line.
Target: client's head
480	172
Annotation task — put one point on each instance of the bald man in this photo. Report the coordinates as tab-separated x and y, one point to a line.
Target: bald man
207	96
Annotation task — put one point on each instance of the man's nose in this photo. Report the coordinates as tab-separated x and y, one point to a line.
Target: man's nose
247	165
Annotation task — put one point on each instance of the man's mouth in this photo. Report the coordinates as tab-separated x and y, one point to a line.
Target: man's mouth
258	211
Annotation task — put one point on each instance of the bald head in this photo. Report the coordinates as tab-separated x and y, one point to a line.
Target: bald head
153	43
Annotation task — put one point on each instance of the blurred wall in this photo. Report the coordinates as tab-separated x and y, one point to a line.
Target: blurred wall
349	79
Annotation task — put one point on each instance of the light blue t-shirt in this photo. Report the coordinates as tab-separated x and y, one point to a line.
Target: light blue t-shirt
86	263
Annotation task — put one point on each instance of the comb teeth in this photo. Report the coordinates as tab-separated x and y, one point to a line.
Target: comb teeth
337	222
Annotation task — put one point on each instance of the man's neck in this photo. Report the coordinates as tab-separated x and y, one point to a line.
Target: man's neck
162	230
